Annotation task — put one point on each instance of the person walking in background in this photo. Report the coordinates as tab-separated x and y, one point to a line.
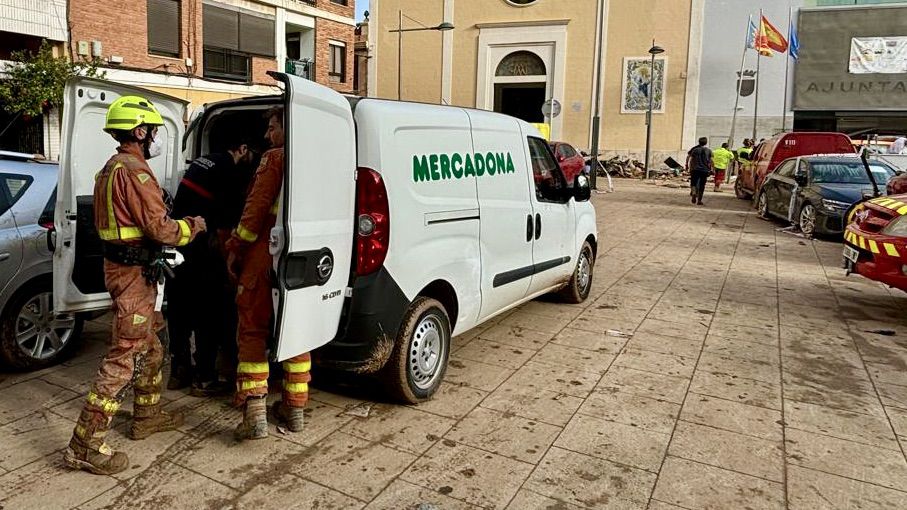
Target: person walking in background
699	163
721	160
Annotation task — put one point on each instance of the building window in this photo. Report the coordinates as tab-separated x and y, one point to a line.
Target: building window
521	2
337	63
231	37
339	2
164	28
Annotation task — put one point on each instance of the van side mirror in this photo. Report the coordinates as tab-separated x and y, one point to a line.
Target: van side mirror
582	191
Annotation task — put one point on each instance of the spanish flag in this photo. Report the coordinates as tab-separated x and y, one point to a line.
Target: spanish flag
769	39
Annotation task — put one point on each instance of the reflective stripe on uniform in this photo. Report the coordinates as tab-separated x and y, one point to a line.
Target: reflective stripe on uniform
148	400
891	250
108	405
252	367
275	207
114	232
862	242
246	234
251	385
158	377
297	367
873	247
296	387
82	433
185	233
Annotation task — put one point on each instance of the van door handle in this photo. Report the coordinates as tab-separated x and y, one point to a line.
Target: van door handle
538	226
529	228
4	256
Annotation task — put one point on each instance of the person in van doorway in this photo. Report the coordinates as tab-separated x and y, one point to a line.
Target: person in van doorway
699	163
249	263
721	161
214	188
131	220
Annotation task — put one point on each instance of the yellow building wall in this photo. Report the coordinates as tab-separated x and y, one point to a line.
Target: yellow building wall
421	50
196	97
632	24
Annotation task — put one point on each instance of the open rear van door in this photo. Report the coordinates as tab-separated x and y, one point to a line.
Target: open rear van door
78	261
313	240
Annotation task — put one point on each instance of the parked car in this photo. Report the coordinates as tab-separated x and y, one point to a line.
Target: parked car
875	242
815	191
770	153
571	160
32	335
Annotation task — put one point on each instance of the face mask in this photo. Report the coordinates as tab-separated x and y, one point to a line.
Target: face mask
155	149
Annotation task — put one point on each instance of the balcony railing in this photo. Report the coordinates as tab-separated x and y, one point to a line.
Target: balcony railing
304	68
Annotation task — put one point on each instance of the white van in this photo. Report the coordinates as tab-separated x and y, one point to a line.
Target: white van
401	224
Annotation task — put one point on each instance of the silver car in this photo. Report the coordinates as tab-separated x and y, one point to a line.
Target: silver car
31	334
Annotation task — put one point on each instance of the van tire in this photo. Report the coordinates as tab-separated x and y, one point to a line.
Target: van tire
423	339
580	284
739	192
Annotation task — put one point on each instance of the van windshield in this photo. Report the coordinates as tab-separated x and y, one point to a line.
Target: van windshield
850	173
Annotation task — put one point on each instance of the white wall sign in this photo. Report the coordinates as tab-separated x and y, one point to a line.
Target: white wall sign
886	55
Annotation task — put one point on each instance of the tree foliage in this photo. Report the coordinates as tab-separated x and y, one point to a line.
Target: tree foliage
35	81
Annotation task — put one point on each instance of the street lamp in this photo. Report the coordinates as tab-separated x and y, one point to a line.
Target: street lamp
654	50
443	27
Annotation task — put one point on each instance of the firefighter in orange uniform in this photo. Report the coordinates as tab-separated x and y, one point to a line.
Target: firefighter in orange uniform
249	263
132	221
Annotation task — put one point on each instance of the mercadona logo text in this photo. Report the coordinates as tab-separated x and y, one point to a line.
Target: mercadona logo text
436	167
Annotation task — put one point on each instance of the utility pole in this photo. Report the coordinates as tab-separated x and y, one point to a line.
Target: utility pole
596	116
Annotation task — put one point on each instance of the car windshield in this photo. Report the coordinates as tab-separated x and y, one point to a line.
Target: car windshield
850	173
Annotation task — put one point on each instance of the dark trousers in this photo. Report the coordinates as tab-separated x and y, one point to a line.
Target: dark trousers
698	181
200	301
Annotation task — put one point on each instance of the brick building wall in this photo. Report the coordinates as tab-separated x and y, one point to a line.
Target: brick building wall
121	26
326	31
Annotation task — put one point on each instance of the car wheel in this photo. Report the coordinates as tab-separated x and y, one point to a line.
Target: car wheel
808	220
577	289
417	366
32	335
739	191
762	206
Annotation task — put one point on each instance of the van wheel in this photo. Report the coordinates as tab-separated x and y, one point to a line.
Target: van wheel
417	366
32	335
577	289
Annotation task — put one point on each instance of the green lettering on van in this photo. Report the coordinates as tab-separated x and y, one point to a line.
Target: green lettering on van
480	165
420	169
433	159
490	163
437	167
470	170
445	166
456	163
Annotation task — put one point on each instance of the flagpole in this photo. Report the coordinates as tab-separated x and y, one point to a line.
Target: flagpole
746	40
786	71
758	60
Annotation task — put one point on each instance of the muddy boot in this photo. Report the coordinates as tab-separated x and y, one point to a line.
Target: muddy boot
148	420
292	417
88	451
255	420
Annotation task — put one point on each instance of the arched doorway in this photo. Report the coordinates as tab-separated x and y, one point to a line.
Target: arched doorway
520	85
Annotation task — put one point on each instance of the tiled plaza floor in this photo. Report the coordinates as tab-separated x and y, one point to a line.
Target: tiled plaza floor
742	370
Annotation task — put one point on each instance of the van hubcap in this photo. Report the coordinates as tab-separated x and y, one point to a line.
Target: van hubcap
426	351
40	333
584	271
807	219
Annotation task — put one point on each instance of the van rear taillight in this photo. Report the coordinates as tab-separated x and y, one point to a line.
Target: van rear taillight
373	221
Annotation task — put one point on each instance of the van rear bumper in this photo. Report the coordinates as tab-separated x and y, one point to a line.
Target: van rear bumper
368	328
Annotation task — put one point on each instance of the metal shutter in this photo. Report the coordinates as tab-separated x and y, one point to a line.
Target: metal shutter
220	27
164	27
256	34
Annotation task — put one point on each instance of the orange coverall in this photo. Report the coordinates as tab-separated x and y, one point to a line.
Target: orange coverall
254	304
128	210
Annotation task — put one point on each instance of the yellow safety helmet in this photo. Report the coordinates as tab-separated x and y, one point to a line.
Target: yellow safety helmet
130	112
